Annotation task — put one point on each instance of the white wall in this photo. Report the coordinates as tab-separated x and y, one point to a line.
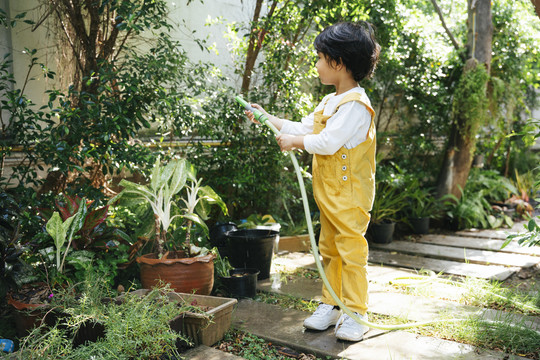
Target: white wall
23	37
187	18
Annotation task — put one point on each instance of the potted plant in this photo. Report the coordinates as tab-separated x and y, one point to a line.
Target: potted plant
79	233
17	277
236	282
185	266
14	272
388	202
420	205
251	246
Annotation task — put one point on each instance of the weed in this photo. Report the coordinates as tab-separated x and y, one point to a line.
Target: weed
251	347
287	301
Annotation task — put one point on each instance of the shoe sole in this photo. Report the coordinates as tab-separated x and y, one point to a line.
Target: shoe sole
319	329
349	339
345	338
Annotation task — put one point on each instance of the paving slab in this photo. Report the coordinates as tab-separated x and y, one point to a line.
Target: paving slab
477	243
290	261
284	326
393	258
501	234
485	257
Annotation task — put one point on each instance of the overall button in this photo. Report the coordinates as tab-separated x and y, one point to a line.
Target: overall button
344	178
343	156
344	168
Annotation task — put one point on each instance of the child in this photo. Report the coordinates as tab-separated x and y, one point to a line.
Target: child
341	135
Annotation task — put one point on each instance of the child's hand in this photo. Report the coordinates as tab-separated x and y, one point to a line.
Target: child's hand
286	141
250	115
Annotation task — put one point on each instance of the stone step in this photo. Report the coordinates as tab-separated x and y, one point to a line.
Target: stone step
393	258
500	234
291	261
485	257
477	243
284	327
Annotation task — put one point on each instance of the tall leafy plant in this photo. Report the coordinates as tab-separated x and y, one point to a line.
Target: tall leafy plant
63	232
162	195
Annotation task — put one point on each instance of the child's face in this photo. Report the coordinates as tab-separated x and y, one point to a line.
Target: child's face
327	70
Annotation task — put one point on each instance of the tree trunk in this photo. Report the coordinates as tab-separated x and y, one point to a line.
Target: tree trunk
536	4
256	37
462	140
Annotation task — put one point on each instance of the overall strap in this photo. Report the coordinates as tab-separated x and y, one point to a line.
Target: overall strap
361	98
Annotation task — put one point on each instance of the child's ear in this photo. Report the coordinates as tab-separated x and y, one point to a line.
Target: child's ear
338	64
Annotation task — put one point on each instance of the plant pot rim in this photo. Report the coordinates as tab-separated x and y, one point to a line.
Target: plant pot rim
250	233
248	271
21	306
151	259
383	222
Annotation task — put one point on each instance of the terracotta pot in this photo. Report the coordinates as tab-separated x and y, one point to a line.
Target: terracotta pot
27	316
184	274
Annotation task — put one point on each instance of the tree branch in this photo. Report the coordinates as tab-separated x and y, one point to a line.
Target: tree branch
439	12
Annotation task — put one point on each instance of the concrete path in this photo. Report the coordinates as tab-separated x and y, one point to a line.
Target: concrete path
284	327
440	253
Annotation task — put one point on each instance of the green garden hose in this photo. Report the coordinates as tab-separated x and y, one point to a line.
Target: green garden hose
259	116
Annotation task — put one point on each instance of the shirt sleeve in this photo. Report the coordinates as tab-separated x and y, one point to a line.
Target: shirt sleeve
351	120
303	127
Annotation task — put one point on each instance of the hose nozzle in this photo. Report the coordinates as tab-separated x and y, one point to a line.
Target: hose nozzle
259	116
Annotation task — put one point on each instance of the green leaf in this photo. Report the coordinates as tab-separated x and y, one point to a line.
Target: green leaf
197	220
165	174
56	229
531	226
179	177
211	197
154	179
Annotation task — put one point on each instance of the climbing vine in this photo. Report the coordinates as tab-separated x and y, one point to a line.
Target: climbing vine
471	102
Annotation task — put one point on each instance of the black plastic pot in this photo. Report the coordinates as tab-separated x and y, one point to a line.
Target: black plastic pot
250	248
218	233
381	233
242	283
420	225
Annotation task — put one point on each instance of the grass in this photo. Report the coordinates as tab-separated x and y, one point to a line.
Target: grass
502	335
287	301
475	292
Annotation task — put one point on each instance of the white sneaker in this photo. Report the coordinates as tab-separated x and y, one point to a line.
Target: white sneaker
324	317
348	329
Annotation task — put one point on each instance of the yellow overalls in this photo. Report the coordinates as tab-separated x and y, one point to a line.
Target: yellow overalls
344	188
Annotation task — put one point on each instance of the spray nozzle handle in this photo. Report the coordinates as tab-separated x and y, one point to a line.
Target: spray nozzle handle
259	116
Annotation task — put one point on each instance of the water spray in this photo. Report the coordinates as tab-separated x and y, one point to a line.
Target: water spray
263	119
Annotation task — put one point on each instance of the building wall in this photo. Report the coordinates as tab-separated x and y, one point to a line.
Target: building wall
190	21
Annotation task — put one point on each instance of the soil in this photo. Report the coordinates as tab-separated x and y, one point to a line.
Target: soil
238	343
526	280
33	294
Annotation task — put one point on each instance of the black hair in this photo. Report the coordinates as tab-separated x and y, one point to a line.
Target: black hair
350	44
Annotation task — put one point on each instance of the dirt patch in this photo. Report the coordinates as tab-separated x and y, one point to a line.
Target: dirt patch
526	280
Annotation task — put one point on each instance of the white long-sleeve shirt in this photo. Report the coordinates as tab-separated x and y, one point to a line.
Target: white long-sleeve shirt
347	127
